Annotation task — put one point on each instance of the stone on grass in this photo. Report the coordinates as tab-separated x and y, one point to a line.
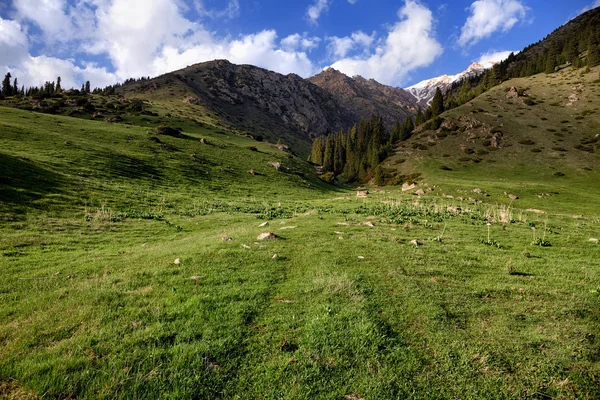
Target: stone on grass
513	197
226	239
415	243
267	236
594	240
420	192
369	224
264	224
177	261
406	187
246	246
275	257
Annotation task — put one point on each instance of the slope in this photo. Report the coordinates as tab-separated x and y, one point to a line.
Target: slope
539	129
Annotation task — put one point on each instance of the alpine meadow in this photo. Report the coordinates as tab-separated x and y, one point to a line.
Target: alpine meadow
225	231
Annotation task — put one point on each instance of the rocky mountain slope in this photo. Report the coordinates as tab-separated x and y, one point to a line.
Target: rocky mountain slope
249	98
265	103
425	90
365	97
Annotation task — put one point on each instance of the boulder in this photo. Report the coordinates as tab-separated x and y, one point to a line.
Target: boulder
420	192
267	236
406	187
362	193
512	93
513	197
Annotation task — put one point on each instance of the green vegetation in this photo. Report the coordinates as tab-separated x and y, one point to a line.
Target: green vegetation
131	268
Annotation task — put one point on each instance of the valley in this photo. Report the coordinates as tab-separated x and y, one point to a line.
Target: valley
167	238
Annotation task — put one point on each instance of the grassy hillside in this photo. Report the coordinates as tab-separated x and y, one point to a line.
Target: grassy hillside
546	137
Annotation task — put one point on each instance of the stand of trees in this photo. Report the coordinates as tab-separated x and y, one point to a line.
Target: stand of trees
356	155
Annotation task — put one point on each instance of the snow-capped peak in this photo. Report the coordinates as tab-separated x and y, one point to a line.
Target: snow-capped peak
425	90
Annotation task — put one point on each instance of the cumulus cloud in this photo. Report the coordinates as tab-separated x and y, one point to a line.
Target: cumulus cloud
300	42
314	12
339	47
494	56
489	16
14	46
139	37
409	44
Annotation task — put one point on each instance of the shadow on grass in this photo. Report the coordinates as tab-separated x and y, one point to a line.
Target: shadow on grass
22	182
129	167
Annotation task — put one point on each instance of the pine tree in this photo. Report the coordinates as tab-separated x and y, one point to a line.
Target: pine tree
551	59
437	104
593	57
87	87
58	88
328	156
407	129
15	89
6	85
420	118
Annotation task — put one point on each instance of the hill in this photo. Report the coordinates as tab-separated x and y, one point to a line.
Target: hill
541	127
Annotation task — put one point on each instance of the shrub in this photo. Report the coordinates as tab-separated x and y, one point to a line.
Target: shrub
168	131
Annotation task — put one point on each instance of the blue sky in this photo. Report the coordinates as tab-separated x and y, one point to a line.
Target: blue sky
398	42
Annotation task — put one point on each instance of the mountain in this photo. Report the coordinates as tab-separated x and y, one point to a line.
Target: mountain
249	99
425	90
365	97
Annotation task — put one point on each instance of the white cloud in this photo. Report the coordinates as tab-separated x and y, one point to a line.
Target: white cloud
34	71
231	11
314	12
410	44
14	46
489	16
352	1
494	56
339	47
302	42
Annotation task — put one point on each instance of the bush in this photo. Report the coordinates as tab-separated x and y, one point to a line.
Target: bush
328	177
168	131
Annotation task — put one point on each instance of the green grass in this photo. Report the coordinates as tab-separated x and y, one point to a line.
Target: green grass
92	304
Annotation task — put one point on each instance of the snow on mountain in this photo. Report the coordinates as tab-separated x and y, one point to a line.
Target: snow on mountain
425	90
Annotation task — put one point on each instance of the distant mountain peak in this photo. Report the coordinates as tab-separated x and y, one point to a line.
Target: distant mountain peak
425	90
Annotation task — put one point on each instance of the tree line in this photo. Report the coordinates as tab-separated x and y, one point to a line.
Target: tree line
48	89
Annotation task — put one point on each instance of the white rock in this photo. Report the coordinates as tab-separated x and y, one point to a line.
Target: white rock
361	257
267	236
177	261
246	246
594	240
264	224
275	257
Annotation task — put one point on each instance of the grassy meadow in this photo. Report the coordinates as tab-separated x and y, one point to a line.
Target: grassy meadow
130	268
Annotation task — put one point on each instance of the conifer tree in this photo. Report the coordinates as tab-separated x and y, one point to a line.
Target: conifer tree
437	104
15	89
593	57
328	156
6	85
87	87
58	89
551	59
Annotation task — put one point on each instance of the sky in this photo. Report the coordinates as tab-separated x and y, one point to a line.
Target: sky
396	42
